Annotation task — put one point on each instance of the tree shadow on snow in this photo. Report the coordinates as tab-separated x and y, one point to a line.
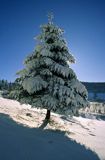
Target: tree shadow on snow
22	143
44	124
73	121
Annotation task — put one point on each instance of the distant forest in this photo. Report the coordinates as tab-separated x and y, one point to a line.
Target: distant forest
5	85
92	87
96	87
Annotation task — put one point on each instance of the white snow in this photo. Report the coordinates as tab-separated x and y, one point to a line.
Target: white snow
90	132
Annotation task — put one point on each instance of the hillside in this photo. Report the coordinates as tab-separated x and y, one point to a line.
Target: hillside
88	132
98	87
96	91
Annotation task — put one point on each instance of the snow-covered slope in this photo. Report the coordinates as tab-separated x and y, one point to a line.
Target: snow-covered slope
84	131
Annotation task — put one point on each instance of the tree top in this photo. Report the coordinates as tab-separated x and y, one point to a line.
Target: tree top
50	17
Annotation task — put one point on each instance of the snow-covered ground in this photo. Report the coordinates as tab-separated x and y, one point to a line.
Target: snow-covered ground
90	132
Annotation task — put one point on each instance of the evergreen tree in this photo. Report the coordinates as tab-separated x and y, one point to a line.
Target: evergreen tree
47	81
4	84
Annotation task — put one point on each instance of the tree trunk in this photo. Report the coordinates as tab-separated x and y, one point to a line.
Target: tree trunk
47	115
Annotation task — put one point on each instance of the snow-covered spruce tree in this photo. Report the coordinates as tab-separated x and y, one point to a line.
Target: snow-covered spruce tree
47	81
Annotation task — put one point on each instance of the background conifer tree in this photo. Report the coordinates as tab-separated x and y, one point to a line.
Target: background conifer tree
47	81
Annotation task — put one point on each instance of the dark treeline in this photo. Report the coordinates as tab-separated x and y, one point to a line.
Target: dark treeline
6	88
95	87
90	86
5	85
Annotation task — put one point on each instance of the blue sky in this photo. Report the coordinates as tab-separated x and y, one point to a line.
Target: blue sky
82	20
